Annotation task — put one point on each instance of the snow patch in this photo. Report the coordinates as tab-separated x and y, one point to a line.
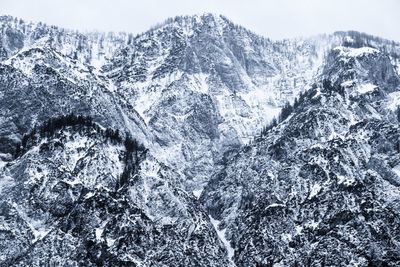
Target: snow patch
110	241
99	231
317	94
396	169
313	224
299	229
197	193
393	101
348	83
6	182
286	237
89	195
273	205
247	111
355	52
221	235
145	101
366	88
315	189
200	83
346	181
38	227
150	168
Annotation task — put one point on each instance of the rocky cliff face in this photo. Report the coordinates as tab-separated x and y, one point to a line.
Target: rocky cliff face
322	187
78	198
190	89
196	92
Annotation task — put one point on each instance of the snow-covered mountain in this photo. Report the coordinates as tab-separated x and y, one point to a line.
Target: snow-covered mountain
197	91
322	187
80	195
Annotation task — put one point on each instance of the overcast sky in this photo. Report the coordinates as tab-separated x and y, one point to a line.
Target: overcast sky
275	19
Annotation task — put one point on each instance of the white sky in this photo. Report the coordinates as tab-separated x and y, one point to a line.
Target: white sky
275	19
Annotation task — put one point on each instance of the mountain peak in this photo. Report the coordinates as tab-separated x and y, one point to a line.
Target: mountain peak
187	23
196	91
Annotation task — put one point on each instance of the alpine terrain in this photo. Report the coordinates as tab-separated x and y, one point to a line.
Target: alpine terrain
197	143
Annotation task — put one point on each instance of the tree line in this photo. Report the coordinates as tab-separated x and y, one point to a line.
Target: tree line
288	108
286	111
398	114
85	123
77	123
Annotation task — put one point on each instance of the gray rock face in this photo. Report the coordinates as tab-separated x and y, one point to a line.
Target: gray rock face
64	203
196	91
322	188
190	89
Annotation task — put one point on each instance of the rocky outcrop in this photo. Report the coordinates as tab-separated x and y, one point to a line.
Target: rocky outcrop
79	197
321	188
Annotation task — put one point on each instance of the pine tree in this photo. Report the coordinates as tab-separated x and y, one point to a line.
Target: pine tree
398	114
286	111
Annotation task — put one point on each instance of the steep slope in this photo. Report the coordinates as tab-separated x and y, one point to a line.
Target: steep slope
322	188
79	196
91	48
39	82
194	90
204	86
190	89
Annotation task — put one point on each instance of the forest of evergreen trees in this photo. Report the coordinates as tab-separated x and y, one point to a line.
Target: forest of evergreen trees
288	108
85	123
76	122
284	114
398	114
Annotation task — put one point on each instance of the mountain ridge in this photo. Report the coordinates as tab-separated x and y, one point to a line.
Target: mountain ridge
196	92
240	79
